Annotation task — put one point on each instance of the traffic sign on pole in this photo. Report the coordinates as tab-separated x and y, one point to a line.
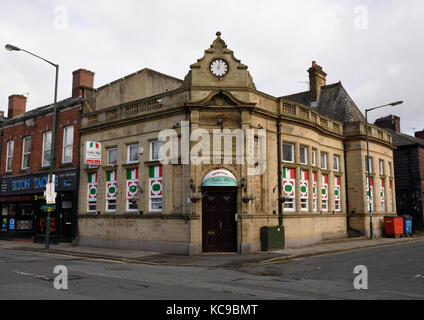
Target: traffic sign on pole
50	193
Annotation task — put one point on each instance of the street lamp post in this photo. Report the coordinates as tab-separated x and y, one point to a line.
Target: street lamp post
368	162
14	48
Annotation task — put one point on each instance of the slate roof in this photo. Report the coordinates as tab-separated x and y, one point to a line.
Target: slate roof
401	139
44	109
301	97
334	102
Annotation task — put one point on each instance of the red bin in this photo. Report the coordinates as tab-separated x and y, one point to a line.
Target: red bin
393	226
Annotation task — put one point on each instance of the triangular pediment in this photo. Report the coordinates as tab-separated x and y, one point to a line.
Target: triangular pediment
236	74
219	98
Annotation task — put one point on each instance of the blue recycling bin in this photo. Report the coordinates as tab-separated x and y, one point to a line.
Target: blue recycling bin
407	225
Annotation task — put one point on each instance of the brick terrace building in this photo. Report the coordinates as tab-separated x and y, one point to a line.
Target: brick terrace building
25	164
409	170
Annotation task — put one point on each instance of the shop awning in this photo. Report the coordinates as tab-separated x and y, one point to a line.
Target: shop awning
219	178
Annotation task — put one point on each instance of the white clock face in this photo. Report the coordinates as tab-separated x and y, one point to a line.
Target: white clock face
219	67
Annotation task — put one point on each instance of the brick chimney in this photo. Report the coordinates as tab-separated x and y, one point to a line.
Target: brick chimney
316	80
81	78
419	134
17	105
390	122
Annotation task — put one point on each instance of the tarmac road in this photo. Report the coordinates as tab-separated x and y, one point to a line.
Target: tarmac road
394	272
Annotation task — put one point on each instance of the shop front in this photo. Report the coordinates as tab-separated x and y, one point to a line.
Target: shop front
22	200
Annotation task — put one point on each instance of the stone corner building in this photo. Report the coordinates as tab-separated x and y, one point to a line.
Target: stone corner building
133	201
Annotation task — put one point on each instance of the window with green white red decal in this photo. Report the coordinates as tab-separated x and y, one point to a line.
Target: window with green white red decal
324	192
370	194
132	189
92	192
315	193
111	190
289	188
383	199
155	188
304	190
337	194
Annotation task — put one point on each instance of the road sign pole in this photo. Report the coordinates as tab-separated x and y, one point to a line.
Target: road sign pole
50	195
47	231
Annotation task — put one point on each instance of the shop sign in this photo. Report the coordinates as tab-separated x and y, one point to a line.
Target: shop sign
219	178
93	153
4	224
65	180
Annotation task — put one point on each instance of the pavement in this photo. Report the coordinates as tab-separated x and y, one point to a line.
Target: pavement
224	260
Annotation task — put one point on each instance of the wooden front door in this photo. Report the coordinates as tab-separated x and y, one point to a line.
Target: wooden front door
218	222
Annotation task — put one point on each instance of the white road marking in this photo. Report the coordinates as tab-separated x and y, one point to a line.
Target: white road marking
34	275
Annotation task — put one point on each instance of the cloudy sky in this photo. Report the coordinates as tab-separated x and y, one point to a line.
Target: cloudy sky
374	47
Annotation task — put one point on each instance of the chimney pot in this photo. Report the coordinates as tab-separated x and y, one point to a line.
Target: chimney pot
81	78
17	105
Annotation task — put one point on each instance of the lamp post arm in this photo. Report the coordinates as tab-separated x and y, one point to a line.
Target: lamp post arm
385	105
53	64
54	125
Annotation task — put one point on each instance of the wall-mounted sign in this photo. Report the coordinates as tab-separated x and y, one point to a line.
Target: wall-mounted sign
50	193
65	180
93	153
